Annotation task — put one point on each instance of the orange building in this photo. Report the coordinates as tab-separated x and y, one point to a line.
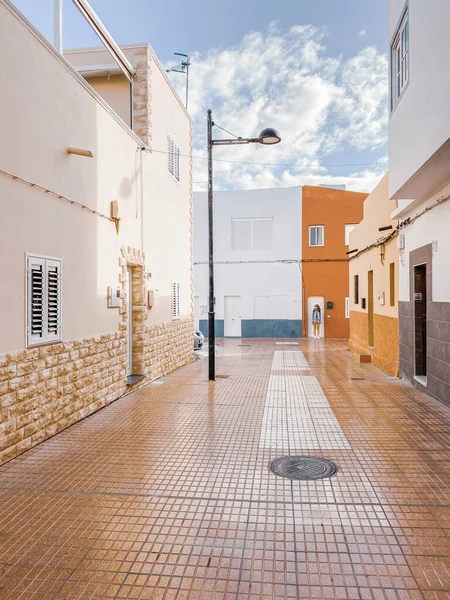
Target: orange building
328	217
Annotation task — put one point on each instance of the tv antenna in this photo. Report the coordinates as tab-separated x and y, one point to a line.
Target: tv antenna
182	67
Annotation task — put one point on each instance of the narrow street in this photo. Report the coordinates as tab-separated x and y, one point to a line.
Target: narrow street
166	493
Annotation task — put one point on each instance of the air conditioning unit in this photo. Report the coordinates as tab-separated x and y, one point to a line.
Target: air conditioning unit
401	241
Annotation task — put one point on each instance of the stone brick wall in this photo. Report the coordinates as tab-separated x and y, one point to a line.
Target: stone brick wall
168	346
142	96
44	390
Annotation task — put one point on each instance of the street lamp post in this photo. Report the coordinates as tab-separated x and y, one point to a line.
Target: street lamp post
267	137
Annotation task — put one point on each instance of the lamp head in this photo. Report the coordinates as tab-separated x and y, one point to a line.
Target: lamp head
269	137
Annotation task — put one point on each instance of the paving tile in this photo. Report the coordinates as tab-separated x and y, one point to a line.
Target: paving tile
167	493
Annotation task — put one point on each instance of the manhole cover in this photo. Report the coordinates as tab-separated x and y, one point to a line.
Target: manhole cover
303	467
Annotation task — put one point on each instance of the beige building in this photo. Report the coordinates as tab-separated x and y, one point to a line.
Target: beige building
374	284
96	245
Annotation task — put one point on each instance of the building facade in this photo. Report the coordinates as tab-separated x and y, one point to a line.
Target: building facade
374	283
419	182
328	217
96	236
257	270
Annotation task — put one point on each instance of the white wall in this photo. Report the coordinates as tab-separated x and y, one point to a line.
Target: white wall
45	108
259	274
420	124
432	226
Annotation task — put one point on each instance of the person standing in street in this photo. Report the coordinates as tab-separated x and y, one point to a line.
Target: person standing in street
317	320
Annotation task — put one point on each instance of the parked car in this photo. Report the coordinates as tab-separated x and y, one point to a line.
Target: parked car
199	339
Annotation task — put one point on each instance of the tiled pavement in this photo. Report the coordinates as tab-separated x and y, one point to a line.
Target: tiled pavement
167	492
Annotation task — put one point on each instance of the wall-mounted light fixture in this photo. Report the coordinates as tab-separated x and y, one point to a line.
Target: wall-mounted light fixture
80	152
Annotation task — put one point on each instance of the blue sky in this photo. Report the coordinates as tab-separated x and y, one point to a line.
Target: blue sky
316	70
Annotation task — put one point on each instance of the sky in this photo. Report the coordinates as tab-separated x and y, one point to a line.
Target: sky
315	70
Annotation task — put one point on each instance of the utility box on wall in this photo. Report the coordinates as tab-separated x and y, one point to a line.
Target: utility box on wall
113	297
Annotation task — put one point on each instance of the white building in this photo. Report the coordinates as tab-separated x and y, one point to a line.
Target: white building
258	284
419	165
95	232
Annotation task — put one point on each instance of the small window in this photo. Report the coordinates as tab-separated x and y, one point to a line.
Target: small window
251	234
392	284
356	288
175	299
347	308
348	230
400	60
316	235
173	157
241	235
44	280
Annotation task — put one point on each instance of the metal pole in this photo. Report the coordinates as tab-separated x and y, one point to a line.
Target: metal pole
58	23
211	310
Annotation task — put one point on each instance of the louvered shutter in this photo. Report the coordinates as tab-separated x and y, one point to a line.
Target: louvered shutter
175	299
173	157
169	154
35	300
53	308
43	300
177	163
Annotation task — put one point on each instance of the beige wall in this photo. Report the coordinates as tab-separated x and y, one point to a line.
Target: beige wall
377	213
45	108
385	348
115	90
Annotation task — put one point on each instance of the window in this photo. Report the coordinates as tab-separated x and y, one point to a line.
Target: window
270	307
316	235
356	288
44	279
400	60
347	308
173	157
251	234
348	230
175	299
392	284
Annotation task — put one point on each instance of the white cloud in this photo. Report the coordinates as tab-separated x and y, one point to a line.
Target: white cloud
362	33
321	105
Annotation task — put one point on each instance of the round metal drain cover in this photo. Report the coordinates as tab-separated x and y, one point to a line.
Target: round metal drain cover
303	467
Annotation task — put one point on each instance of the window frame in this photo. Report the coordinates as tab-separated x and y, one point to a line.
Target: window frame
347	307
173	154
347	235
252	221
356	289
399	63
46	339
175	299
311	227
392	284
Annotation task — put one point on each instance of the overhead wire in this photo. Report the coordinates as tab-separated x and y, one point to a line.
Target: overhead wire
243	162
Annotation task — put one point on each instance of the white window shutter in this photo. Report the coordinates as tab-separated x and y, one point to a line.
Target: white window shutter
173	157
177	163
175	299
44	279
35	300
169	153
53	308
